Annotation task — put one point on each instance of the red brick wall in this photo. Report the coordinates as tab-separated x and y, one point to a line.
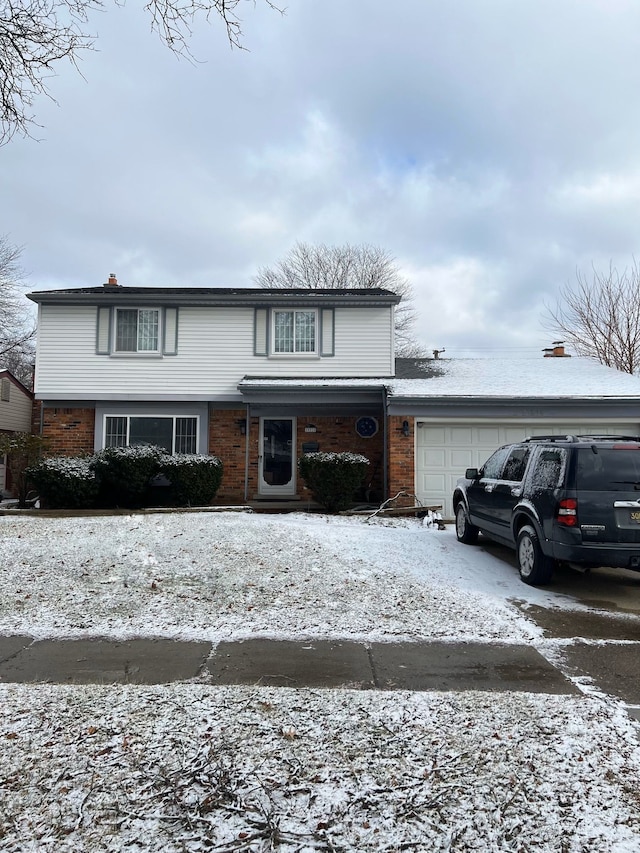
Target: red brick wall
227	442
338	434
401	456
333	434
68	432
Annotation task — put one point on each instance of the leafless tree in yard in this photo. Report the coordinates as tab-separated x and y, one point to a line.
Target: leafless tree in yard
36	35
347	266
600	317
16	332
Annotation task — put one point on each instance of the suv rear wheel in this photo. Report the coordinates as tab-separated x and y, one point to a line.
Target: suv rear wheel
465	531
535	568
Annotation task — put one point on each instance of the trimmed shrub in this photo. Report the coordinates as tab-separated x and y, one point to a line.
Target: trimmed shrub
64	482
124	473
194	478
333	478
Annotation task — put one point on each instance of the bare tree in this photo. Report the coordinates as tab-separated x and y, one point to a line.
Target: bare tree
16	333
35	35
347	266
600	317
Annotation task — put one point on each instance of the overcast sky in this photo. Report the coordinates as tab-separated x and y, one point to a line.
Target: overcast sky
491	146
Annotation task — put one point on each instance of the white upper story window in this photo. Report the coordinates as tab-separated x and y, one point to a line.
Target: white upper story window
294	332
137	330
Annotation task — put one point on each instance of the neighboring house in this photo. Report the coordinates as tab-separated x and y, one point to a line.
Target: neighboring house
259	377
16	406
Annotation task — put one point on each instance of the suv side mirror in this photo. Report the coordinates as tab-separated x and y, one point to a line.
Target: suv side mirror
472	474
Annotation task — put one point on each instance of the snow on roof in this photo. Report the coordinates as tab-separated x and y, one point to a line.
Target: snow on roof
488	378
540	377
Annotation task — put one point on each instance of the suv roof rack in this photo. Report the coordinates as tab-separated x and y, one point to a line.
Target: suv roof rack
585	437
551	438
598	437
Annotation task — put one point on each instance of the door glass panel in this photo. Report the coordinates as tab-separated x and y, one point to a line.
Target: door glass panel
277	456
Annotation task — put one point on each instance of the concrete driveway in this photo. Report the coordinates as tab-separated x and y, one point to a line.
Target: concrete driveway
597	620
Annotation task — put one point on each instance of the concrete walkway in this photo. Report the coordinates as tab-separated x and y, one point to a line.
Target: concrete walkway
315	663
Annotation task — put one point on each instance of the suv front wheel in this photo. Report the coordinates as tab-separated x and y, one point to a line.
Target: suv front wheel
535	568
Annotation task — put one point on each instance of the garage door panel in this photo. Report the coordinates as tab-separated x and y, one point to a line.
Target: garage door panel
445	451
461	459
458	435
435	457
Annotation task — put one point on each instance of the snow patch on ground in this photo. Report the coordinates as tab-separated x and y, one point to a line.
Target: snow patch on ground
198	768
228	576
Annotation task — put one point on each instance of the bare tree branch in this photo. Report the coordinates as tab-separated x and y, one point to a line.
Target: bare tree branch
16	334
347	266
600	317
35	35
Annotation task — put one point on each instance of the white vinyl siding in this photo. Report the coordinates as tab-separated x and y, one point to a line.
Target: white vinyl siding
216	351
445	450
15	413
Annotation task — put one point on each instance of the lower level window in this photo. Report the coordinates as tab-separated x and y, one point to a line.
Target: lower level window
175	435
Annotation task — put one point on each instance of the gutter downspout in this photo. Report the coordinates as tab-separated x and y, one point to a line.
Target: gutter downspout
385	453
246	452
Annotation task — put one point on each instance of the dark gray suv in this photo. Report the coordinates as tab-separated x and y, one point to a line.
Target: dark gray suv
570	499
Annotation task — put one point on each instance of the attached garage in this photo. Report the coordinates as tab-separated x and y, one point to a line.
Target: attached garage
461	410
444	450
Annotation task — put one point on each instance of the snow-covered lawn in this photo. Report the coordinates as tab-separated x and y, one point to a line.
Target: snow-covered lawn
190	767
215	576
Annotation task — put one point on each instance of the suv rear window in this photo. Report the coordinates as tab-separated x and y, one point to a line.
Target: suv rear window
609	468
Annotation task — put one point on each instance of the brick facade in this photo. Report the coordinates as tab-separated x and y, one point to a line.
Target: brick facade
68	432
401	455
333	434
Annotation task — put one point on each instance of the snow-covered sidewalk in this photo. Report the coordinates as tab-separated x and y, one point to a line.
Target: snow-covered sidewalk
191	767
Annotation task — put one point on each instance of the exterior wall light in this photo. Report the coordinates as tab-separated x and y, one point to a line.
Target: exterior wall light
404	429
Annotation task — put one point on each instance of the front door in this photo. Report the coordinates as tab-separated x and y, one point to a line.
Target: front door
277	457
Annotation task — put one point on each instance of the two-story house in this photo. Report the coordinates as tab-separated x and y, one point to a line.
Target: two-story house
259	377
254	376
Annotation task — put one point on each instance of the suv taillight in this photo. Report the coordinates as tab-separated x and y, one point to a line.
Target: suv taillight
567	512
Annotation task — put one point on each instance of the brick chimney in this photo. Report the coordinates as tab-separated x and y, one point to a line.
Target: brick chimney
112	281
556	351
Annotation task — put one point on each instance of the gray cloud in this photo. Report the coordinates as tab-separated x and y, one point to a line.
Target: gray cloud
491	147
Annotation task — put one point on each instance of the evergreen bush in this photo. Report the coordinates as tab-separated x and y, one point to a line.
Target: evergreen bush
333	478
64	482
124	473
194	478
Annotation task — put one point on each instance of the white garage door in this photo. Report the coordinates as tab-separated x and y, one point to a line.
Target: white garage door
444	451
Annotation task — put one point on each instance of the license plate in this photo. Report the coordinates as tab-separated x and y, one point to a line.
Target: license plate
627	517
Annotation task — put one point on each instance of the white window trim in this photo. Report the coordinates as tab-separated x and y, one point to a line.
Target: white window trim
287	355
155	416
156	353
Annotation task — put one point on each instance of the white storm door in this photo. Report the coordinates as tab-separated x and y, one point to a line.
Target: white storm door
277	469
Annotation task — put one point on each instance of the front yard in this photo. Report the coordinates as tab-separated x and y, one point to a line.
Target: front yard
190	767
